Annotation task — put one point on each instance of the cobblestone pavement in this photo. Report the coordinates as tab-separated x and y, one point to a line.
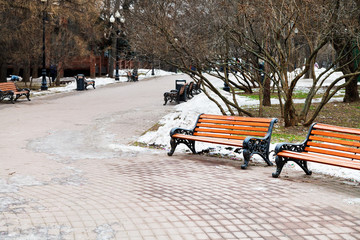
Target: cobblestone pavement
72	176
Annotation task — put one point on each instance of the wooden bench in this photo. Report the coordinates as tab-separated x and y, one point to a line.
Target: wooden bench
9	90
253	135
89	82
326	144
175	95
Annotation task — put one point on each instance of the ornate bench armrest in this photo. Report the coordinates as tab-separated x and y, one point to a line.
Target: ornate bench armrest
249	142
181	131
295	147
281	161
24	89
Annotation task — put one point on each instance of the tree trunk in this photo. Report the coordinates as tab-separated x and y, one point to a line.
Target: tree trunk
16	70
59	72
290	116
308	74
351	91
26	72
3	72
35	73
261	100
266	92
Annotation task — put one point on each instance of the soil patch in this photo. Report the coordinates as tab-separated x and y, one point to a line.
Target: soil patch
335	113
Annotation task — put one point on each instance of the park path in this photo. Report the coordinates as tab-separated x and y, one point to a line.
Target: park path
81	124
68	172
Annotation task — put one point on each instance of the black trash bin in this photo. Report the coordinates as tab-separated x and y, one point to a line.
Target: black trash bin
80	82
178	84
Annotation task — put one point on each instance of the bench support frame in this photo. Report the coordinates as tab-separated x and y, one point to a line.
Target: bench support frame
258	146
176	141
281	161
250	145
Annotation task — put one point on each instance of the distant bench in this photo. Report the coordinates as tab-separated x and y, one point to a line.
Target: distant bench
253	135
9	90
89	82
175	95
66	81
182	91
326	144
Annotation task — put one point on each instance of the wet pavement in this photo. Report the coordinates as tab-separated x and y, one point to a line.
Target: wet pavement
68	171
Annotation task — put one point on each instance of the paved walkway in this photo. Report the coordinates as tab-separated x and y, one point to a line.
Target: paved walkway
68	172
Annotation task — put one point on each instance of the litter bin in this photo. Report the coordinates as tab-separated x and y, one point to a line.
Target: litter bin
80	82
178	84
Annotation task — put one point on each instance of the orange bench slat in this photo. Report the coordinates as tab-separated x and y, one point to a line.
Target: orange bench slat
318	159
219	136
236	118
336	135
242	123
259	129
331	152
334	147
337	128
236	143
226	131
336	141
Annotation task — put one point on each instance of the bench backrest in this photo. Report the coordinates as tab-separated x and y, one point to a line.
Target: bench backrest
191	86
8	86
339	142
232	127
182	90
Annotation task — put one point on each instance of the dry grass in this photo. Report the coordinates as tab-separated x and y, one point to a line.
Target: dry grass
338	113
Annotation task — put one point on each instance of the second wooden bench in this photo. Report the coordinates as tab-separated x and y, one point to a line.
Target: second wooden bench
253	135
326	144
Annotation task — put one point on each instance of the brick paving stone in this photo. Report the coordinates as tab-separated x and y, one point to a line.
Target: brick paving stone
148	195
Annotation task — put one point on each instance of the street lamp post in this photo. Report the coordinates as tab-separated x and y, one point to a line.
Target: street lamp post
43	72
226	86
152	66
119	18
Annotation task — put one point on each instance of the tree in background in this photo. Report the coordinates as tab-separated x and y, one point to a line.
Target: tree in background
75	30
346	38
228	36
19	27
71	27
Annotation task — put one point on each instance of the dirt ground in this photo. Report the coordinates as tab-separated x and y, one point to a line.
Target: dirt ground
334	113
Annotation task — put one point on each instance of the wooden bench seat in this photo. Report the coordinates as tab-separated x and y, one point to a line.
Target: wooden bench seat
325	144
9	90
253	135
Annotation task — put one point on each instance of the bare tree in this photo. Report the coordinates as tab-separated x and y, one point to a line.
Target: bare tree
191	36
346	36
228	36
75	30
